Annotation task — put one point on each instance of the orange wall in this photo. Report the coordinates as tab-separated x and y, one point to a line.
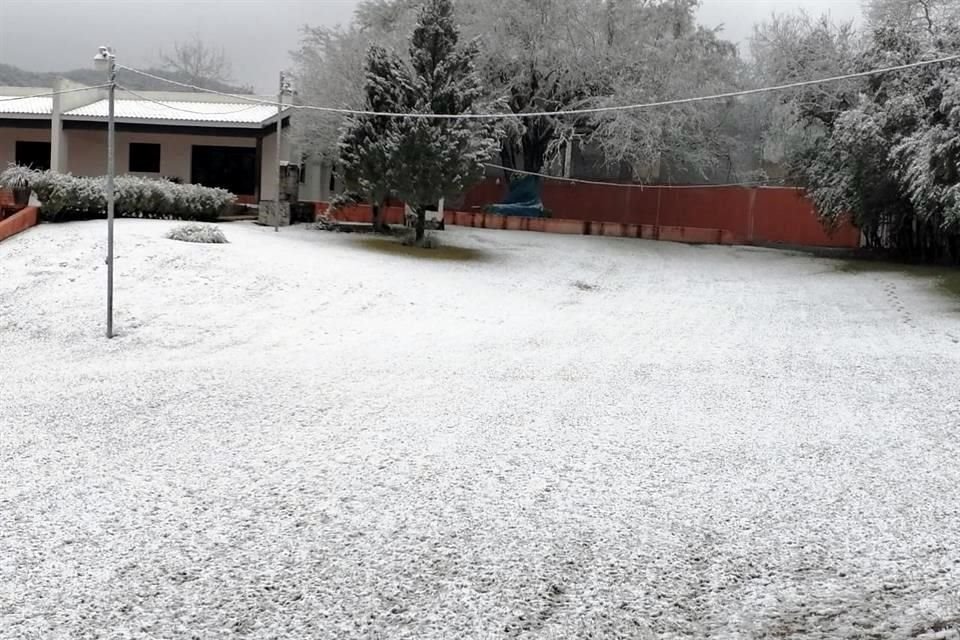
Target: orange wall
20	221
749	215
361	213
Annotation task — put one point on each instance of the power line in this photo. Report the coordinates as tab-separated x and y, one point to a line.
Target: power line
626	185
186	85
53	93
571	112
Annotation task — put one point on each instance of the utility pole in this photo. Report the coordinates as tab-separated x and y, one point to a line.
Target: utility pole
283	88
106	60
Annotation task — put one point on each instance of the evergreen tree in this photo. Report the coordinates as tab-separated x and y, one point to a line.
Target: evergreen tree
437	158
369	143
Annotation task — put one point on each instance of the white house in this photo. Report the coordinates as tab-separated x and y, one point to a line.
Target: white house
192	137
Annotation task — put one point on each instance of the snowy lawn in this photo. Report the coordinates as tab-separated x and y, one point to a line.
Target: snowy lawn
311	435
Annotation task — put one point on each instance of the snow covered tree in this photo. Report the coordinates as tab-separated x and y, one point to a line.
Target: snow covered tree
369	143
539	56
331	71
553	55
918	17
796	47
198	62
891	160
655	52
438	158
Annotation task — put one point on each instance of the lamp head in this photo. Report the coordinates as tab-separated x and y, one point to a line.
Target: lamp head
103	59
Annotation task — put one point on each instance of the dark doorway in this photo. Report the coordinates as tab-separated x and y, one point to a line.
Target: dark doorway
33	154
230	168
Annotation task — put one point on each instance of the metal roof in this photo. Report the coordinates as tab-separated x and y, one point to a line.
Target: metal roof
179	112
27	106
149	111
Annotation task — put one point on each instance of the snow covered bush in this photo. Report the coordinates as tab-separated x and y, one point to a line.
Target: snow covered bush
195	232
67	197
343	200
16	176
885	151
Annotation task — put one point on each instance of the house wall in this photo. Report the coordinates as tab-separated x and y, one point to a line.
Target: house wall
10	136
270	175
316	181
62	103
87	151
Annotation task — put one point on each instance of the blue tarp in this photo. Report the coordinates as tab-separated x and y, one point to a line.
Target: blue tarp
523	199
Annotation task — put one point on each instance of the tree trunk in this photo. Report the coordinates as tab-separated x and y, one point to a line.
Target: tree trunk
378	208
535	141
421	222
508	157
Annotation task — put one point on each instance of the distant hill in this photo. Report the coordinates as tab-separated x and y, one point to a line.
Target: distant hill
12	76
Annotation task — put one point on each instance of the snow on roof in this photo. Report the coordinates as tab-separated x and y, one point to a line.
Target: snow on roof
205	112
26	106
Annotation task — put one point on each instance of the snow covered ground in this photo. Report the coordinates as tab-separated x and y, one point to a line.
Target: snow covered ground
306	435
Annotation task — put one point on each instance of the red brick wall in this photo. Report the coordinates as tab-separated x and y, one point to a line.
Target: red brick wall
757	215
788	217
361	213
20	221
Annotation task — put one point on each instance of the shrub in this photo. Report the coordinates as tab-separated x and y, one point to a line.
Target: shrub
68	197
344	199
204	233
16	177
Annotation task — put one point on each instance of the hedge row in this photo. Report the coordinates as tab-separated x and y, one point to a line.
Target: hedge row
67	197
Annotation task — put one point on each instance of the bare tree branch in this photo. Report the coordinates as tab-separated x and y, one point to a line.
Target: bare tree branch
198	62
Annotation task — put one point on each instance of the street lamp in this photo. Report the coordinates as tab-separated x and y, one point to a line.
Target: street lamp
106	61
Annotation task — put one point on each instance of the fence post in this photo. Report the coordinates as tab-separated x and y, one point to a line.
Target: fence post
656	226
751	214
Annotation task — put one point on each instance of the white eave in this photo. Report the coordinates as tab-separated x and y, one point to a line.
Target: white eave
28	108
208	114
173	113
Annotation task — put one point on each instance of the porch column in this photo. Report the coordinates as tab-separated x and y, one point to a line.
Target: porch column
58	141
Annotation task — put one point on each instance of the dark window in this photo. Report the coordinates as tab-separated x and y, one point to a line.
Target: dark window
230	168
33	154
144	158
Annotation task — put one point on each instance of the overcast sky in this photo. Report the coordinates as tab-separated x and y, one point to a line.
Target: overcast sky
52	35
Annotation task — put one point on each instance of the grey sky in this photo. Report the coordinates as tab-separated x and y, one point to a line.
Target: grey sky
256	34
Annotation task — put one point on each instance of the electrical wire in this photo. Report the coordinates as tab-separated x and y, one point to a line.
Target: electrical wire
52	93
569	112
628	185
185	85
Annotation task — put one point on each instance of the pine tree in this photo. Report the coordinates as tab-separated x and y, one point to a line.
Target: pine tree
369	143
437	158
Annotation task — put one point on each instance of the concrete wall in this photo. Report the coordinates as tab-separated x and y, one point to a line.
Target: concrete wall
9	138
316	181
59	155
270	175
87	151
